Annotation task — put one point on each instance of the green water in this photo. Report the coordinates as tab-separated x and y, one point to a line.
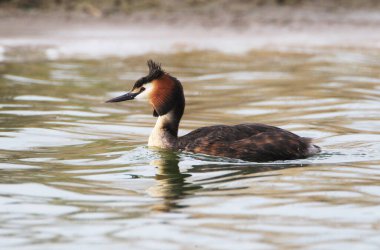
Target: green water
75	172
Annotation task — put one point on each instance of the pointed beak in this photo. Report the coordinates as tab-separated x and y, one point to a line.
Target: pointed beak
125	97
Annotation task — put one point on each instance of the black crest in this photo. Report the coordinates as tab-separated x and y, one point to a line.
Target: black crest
155	70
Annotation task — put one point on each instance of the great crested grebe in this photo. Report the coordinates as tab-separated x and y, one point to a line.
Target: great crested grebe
249	142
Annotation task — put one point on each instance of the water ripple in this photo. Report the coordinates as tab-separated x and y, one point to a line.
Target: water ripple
76	172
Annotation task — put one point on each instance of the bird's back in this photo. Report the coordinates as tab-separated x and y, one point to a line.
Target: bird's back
251	142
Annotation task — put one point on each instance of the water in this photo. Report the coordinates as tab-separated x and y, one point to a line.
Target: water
76	172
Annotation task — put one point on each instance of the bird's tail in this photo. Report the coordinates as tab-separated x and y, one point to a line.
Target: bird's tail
312	148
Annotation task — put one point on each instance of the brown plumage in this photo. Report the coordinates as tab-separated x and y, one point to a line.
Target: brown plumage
250	142
164	94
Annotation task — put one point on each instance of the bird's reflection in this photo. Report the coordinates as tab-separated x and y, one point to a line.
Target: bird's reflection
172	186
237	172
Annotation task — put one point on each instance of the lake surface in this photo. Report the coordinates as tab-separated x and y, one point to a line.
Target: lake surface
75	172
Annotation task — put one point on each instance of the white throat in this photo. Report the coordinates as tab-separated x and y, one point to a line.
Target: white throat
160	136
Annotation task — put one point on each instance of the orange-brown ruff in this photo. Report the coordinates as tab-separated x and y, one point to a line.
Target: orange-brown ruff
250	142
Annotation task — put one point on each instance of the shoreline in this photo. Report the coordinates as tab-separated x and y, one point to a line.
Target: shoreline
57	35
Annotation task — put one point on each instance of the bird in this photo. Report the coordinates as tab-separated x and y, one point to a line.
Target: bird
252	142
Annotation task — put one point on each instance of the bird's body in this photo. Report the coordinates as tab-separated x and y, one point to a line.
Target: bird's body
250	142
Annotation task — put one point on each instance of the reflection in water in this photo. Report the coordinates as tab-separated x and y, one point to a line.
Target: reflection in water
170	182
171	185
241	171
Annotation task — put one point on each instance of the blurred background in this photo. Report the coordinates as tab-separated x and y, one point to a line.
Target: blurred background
98	8
60	28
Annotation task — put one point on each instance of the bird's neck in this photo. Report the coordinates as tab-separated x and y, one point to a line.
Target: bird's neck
165	132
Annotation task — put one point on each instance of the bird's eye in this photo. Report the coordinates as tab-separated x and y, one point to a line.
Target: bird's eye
142	89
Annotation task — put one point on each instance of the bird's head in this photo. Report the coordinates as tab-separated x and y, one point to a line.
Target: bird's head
162	91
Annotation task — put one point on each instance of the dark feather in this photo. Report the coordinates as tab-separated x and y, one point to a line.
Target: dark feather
251	142
155	71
